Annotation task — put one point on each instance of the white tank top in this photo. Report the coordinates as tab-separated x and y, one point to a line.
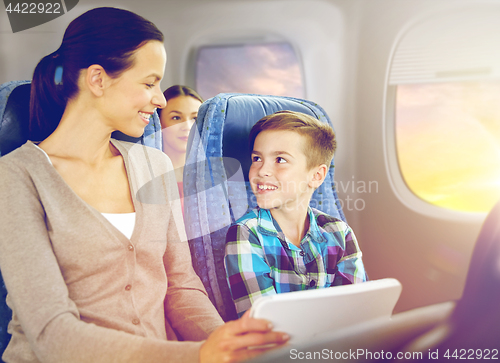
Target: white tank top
124	222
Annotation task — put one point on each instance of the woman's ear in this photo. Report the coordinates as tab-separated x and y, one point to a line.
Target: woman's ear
319	175
96	79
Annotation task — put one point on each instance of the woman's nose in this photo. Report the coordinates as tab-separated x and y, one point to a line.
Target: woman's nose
159	99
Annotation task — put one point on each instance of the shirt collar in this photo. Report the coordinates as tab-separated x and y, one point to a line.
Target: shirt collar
314	231
267	225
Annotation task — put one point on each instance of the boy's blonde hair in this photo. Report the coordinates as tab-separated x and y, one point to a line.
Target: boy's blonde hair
320	138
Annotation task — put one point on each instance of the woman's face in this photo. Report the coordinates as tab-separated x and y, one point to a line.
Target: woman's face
177	118
131	98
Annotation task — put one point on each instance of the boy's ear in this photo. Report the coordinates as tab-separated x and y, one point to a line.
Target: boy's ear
319	175
96	79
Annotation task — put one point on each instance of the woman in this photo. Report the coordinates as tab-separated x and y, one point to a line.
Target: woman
82	288
176	119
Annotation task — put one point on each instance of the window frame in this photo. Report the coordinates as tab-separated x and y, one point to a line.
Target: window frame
491	72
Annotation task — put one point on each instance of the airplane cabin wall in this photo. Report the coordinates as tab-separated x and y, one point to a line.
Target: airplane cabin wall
428	252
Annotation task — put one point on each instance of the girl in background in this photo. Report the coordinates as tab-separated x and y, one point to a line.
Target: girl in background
176	119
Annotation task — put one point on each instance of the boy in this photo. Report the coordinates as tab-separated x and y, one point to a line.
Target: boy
284	245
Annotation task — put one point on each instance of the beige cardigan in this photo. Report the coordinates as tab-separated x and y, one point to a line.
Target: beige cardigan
81	291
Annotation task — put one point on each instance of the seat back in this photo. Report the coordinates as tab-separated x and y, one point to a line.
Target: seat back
14	126
216	187
14	116
14	113
475	322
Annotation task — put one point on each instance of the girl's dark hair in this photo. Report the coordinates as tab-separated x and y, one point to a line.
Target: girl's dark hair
105	36
178	90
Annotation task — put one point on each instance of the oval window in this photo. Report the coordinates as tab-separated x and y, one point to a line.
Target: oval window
267	68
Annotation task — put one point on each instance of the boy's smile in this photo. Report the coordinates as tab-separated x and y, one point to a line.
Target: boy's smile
279	176
263	187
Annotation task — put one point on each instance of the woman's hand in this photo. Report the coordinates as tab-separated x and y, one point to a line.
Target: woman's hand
231	341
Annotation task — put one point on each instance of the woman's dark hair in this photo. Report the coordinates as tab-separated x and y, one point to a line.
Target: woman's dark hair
105	36
178	90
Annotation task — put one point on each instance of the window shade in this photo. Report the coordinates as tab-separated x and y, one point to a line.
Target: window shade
461	46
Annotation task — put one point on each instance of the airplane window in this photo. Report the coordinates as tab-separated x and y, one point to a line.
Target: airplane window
269	68
448	143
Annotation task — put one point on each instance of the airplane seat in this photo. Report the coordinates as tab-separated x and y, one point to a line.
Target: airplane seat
14	109
216	187
14	128
14	112
475	322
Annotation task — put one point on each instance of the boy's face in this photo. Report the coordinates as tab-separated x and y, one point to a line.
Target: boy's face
279	176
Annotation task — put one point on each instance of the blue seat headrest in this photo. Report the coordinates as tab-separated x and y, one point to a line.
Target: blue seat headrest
242	113
14	115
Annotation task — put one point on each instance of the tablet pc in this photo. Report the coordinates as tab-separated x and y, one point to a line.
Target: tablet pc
305	314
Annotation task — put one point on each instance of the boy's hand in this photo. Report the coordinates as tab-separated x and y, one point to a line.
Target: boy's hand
231	341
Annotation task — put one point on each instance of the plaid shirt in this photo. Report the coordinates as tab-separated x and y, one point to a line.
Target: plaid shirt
261	261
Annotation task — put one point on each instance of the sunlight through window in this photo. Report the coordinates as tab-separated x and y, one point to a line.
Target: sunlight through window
448	143
269	69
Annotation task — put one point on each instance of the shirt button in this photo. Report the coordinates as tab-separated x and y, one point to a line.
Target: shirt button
312	283
136	321
128	287
130	247
302	253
